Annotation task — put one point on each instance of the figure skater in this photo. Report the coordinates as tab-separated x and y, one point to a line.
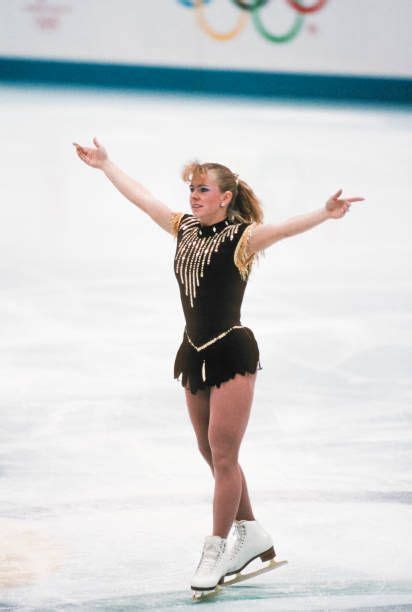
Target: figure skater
218	358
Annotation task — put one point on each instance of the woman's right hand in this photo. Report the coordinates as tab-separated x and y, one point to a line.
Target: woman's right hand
94	157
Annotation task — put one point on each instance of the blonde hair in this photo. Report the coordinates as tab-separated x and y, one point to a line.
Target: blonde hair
244	205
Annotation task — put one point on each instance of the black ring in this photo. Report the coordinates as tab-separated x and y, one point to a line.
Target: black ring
251	5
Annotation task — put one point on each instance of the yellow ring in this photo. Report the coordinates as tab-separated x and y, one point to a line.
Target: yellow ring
205	26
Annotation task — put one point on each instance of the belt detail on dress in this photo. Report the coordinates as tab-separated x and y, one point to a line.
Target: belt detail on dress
215	339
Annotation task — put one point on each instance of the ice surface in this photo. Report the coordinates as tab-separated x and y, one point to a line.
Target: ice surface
105	499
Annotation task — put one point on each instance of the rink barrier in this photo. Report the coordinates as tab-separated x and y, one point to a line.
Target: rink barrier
256	84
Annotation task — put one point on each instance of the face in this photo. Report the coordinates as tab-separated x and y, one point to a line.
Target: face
206	197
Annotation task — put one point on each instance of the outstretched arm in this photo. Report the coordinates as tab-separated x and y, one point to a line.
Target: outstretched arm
265	235
130	188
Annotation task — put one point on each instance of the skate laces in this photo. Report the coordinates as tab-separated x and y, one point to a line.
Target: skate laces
210	557
240	531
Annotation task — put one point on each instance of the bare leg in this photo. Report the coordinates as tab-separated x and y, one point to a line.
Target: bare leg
198	407
244	511
230	406
199	412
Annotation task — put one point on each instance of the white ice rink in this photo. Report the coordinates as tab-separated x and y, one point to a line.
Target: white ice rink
104	498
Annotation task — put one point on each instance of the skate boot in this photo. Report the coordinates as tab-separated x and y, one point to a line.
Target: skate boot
252	541
212	565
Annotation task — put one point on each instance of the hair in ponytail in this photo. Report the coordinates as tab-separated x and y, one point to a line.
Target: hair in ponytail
244	206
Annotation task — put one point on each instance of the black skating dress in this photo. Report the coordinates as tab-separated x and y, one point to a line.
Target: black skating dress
212	269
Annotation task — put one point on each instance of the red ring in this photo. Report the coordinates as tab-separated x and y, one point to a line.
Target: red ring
307	9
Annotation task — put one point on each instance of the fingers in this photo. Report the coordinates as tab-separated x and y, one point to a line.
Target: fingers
348	201
339	192
345	200
79	149
82	154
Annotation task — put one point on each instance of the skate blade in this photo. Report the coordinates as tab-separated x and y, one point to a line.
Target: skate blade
202	595
240	577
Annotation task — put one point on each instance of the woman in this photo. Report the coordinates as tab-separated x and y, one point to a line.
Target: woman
218	357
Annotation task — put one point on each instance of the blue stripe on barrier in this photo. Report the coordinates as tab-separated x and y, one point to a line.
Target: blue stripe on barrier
308	86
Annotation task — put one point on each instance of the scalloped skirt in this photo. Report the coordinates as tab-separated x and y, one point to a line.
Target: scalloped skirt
235	353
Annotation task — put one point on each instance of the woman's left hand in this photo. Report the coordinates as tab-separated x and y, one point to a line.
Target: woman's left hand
336	207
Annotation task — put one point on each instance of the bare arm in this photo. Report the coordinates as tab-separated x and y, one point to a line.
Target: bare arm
139	195
134	191
265	235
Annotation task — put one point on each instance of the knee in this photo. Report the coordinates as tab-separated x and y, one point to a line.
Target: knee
224	458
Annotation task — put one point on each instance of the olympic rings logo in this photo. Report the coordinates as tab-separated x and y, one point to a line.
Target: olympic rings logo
252	8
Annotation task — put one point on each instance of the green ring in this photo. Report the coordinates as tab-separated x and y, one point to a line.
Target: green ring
251	5
277	38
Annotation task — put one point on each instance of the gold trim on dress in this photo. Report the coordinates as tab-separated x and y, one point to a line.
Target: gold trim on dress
175	222
215	339
243	261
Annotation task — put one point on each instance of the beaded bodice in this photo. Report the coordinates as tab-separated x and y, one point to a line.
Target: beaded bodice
211	269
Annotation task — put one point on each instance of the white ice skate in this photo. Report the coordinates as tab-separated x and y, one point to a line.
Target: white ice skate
211	569
251	542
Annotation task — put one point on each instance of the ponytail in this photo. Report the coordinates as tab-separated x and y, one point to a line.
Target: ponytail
245	206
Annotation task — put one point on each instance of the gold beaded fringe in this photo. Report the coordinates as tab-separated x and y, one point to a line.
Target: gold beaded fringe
175	222
241	259
195	252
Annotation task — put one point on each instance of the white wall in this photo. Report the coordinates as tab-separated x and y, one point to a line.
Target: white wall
360	37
